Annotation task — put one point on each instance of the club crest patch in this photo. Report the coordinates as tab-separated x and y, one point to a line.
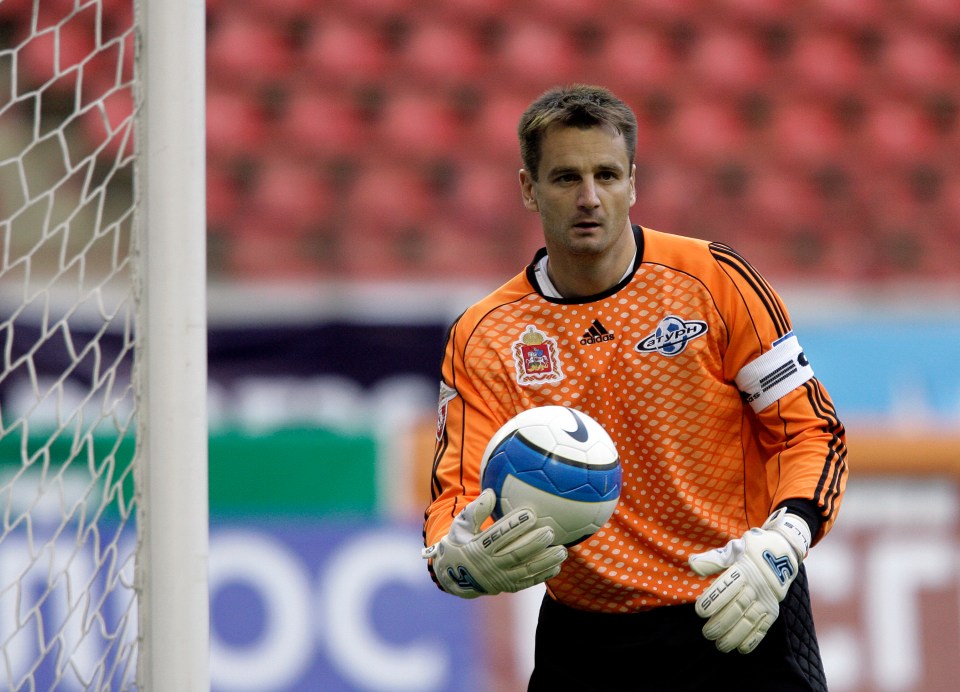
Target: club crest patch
672	336
536	358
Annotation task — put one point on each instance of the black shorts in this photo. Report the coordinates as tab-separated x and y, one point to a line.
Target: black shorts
664	649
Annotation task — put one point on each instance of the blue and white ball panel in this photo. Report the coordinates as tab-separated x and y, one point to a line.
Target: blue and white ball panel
579	481
570	520
546	426
574	498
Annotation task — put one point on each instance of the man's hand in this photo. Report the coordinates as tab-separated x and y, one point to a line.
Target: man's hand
509	556
743	602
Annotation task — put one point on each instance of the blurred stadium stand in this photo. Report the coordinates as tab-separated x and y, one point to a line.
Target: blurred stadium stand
376	138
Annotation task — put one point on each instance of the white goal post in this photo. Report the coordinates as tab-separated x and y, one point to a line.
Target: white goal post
103	427
173	511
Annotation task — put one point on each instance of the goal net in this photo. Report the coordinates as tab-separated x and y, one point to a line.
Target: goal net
76	454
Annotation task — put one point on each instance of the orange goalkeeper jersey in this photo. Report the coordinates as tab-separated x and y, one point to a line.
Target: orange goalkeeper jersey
691	365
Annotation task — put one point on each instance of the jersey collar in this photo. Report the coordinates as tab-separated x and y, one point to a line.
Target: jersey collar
540	280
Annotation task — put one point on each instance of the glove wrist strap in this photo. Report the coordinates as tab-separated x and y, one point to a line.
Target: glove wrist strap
793	528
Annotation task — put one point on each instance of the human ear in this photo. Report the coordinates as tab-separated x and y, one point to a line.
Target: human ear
527	191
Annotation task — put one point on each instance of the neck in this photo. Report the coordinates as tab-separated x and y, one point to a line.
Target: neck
581	275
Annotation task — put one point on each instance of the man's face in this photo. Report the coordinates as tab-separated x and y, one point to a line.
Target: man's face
584	191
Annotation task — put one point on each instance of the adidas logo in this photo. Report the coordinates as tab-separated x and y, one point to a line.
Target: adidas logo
597	333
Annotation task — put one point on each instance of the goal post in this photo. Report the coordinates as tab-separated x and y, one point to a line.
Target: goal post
172	359
103	430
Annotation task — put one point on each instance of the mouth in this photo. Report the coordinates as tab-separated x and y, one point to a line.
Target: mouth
587	225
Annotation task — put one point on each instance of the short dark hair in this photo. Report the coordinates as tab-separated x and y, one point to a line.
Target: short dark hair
577	105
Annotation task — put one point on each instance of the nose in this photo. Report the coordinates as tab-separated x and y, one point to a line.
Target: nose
588	198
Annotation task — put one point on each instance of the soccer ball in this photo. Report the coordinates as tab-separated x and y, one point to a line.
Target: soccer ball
558	462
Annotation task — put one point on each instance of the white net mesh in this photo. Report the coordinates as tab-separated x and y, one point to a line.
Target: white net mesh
67	314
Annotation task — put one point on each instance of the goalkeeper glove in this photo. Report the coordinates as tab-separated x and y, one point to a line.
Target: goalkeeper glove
509	556
743	602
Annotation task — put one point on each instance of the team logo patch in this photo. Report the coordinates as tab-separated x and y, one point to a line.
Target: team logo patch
536	358
672	336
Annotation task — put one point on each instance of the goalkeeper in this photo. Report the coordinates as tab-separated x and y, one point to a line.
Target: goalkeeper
733	457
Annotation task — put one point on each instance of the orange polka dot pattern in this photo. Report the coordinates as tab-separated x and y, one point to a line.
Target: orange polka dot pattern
679	422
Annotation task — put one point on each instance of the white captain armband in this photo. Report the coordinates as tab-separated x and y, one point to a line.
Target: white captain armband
774	374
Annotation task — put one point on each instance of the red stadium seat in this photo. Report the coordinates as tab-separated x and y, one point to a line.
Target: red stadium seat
293	195
778	195
371	9
389	194
279	11
418	125
535	54
918	62
243	50
707	131
223	197
896	133
568	12
255	252
436	249
663	198
825	63
323	124
664	12
442	53
236	124
471	12
951	206
847	14
915	249
755	11
494	132
637	59
807	132
934	13
344	52
485	191
727	60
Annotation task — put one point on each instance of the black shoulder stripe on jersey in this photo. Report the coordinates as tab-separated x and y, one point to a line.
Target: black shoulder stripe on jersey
825	407
839	471
835	463
835	467
828	487
727	255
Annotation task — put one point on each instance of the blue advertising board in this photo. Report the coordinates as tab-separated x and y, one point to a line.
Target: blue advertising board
334	606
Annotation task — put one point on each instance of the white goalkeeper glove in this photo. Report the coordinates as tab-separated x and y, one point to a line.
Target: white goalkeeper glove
743	602
509	556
